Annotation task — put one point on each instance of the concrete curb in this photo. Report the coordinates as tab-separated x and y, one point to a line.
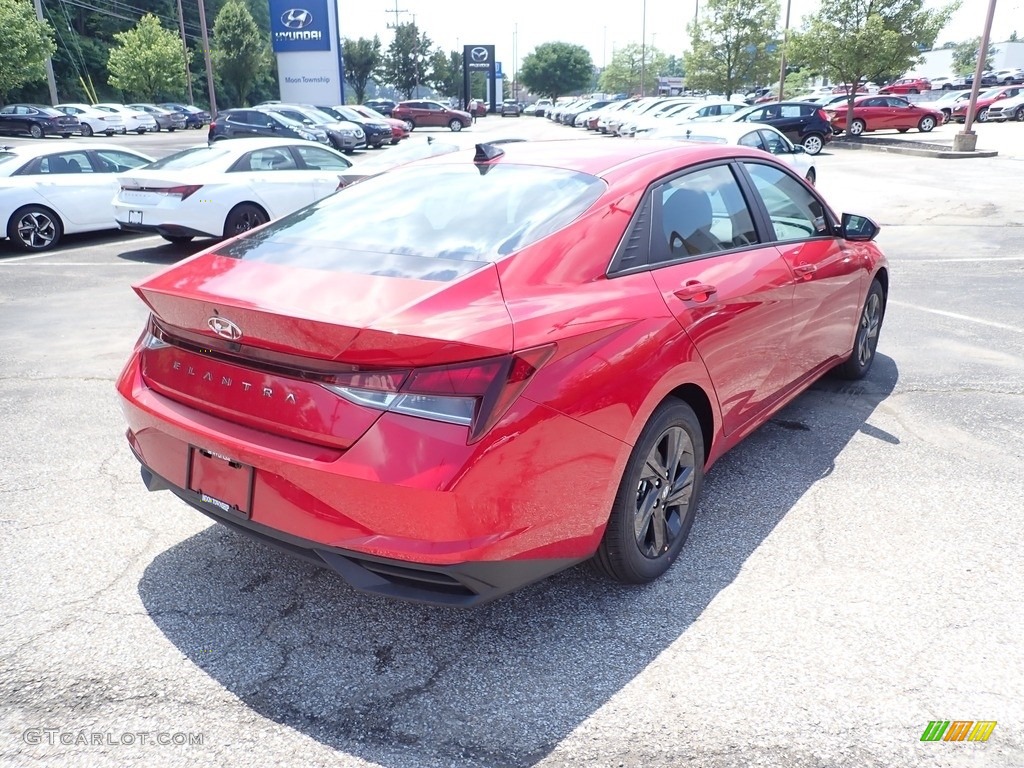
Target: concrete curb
932	150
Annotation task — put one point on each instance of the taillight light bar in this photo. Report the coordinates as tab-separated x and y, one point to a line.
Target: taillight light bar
184	191
474	394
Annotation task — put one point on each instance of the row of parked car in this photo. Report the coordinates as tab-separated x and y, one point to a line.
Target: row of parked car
109	118
211	190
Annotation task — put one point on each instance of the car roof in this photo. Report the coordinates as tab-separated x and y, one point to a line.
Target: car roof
29	151
587	156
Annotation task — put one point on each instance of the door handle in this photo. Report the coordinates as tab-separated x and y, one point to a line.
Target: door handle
694	291
805	270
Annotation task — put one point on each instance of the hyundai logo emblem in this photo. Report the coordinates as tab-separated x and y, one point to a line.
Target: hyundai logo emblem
224	328
296	18
478	54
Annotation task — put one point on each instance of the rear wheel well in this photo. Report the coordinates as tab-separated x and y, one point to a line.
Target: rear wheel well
698	400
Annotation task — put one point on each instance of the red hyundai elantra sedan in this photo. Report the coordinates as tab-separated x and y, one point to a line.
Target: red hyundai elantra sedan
461	376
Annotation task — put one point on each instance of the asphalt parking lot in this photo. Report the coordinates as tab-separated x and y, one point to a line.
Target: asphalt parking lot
856	569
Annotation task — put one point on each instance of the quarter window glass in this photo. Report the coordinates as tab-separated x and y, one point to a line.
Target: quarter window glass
752	139
702	213
117	162
795	213
274	159
66	162
791	110
319	159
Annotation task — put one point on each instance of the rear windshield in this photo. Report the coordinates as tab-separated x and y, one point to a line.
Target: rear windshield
433	222
190	158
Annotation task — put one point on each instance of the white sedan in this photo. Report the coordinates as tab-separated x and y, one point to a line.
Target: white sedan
47	191
134	119
755	135
226	188
94	120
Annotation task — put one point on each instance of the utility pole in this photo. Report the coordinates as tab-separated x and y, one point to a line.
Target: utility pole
643	50
49	62
208	60
782	66
967	140
397	11
515	64
184	48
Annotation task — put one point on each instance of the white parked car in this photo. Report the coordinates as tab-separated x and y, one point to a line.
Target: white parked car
685	112
757	136
225	188
1007	109
47	191
94	120
134	119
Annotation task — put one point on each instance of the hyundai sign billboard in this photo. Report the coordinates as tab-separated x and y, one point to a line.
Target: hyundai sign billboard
299	25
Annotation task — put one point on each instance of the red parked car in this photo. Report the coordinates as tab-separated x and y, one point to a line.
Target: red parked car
985	100
445	402
882	113
907	85
430	114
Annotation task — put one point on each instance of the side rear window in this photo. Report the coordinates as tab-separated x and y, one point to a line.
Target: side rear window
701	213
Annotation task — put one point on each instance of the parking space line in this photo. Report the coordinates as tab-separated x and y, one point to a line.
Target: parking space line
957	316
121	263
963	260
63	251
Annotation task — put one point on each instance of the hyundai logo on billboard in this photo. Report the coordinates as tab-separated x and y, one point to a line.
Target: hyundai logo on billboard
479	57
299	25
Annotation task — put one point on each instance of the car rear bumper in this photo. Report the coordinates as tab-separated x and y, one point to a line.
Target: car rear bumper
521	504
461	585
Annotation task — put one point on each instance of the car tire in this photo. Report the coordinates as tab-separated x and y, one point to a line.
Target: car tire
866	341
87	130
171	130
243	217
455	125
947	87
178	239
65	135
902	130
857	127
646	529
34	228
926	124
812	176
410	124
36	131
983	115
948	114
813	143
913	91
394	142
140	131
1018	115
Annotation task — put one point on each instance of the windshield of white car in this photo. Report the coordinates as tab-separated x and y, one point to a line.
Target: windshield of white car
189	158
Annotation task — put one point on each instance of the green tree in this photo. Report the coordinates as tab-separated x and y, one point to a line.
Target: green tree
674	67
405	63
446	73
622	75
556	69
733	45
362	60
965	57
847	40
25	44
240	53
148	61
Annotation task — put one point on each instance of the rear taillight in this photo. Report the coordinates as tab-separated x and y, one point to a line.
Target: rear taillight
184	191
474	394
823	115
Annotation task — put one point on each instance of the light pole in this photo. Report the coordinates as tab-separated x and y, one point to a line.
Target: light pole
782	66
207	59
643	49
967	140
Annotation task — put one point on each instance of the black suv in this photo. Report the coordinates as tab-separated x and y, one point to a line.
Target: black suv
384	106
798	120
246	123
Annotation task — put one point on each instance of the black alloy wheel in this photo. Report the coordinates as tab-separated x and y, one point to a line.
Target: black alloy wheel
657	498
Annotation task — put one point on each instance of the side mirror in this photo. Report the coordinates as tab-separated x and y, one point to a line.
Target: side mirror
798	149
858	228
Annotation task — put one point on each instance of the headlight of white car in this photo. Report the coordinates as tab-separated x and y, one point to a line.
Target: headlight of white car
307	135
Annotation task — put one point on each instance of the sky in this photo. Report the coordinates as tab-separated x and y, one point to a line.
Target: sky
599	27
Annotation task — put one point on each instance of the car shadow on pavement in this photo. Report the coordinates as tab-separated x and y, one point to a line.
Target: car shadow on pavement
503	684
165	253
